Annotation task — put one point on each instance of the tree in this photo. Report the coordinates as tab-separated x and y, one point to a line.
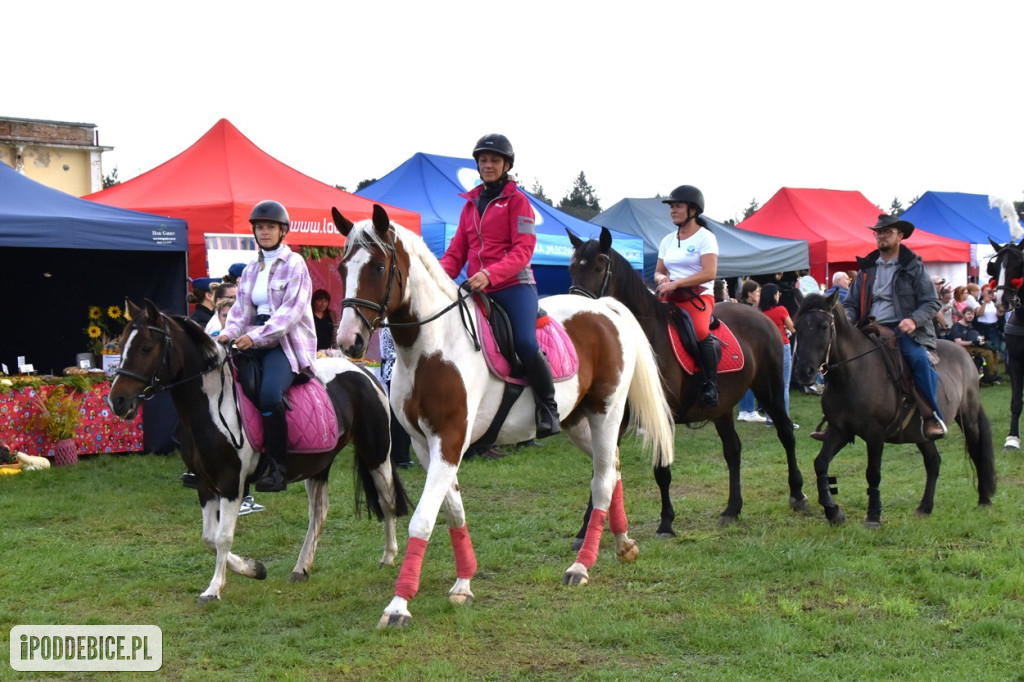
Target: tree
111	179
1019	205
365	183
751	209
581	201
896	208
537	190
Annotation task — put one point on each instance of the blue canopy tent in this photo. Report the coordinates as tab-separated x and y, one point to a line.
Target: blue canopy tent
742	252
431	184
64	254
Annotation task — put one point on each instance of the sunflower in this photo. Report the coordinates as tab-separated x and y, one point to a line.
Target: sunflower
94	312
114	312
93	331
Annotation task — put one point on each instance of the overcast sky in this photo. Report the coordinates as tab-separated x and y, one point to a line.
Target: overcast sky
887	97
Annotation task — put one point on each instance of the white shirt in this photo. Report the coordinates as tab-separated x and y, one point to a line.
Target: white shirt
682	257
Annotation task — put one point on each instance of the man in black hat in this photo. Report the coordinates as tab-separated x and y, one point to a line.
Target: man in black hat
894	288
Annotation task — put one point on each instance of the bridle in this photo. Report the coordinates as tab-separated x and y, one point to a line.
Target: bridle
154	385
826	364
605	282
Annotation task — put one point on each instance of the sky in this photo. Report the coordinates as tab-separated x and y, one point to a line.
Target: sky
891	98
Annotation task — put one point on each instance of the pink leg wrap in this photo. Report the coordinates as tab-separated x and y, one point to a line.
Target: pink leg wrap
408	583
465	559
592	540
617	513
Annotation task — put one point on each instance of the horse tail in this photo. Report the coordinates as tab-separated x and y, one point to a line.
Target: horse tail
982	455
373	496
649	412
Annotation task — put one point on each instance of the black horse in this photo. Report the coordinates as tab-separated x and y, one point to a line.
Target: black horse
164	352
1007	268
863	398
598	270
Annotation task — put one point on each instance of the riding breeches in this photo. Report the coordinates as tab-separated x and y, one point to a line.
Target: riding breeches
925	376
699	309
520	304
277	376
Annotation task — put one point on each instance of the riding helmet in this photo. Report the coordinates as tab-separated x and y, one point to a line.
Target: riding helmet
496	143
687	194
269	210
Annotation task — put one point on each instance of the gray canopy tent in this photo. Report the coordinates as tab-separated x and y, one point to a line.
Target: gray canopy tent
741	252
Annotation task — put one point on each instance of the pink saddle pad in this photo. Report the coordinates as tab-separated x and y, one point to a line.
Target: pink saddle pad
312	423
552	339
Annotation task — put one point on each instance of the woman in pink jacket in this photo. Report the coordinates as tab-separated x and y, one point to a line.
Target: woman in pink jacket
495	240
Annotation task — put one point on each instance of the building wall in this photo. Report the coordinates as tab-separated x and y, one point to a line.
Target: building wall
61	155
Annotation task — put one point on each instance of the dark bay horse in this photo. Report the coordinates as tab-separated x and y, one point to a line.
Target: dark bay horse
446	397
164	352
862	399
1007	268
598	270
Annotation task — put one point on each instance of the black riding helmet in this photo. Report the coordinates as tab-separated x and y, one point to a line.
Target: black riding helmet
496	143
687	194
272	211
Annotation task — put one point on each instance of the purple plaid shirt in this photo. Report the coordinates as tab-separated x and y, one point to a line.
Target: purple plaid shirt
290	290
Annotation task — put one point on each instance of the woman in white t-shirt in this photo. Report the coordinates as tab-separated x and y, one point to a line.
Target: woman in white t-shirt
687	266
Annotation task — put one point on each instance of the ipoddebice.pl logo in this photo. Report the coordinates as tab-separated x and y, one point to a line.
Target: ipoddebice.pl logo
86	647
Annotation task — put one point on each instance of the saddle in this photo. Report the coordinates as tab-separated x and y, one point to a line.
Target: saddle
499	352
899	371
312	421
684	343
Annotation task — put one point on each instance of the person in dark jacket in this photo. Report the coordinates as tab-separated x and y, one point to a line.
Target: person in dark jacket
895	290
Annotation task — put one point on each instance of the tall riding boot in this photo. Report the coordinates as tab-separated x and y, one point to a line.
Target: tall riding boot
538	372
275	441
709	365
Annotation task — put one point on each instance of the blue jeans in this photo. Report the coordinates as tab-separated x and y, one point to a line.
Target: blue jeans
925	376
747	403
520	302
787	371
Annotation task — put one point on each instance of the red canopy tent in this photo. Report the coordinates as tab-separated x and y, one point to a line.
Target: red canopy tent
215	183
835	224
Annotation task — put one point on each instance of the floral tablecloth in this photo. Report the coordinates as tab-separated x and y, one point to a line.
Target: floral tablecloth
100	430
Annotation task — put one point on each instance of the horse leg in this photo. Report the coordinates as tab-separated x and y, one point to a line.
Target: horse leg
385	482
626	549
932	461
1015	367
577	430
775	406
832	444
316	492
873	474
978	437
462	546
219	517
440	477
731	450
601	488
663	477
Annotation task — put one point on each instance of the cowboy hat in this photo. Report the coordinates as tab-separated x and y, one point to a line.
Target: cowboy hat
887	221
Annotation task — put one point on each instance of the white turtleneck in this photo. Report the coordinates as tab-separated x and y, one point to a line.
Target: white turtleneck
260	293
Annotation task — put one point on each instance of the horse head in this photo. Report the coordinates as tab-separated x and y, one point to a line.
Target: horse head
1007	269
145	346
815	336
590	267
374	269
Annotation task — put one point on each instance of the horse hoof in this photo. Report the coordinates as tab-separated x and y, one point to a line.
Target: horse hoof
577	544
922	513
394	620
726	520
575	579
872	524
665	535
205	599
261	571
985	503
798	505
835	515
298	576
1012	443
460	599
629	553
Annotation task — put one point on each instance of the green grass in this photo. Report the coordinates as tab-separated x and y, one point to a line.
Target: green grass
116	540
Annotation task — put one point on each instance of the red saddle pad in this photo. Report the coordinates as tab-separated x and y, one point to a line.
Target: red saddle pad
732	354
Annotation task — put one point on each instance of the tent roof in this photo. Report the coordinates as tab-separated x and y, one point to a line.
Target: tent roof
959	216
34	215
215	183
741	253
835	224
431	184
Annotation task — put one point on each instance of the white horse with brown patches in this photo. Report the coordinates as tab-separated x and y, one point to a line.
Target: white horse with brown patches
444	394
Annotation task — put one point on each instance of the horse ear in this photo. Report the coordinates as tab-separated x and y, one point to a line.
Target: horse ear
995	245
152	312
574	240
831	301
606	240
343	224
381	222
130	309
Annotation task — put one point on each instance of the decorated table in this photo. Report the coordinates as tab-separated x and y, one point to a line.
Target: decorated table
98	429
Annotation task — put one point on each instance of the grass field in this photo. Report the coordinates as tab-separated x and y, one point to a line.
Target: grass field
779	595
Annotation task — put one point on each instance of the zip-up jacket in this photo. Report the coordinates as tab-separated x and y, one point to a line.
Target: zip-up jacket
500	242
914	294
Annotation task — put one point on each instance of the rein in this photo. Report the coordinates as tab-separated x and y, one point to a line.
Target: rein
826	365
583	291
153	386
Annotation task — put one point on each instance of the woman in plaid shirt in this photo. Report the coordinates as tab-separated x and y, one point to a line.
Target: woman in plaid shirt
273	318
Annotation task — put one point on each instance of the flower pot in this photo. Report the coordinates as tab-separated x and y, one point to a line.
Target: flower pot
65	452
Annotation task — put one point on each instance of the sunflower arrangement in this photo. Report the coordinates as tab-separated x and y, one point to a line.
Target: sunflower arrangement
104	329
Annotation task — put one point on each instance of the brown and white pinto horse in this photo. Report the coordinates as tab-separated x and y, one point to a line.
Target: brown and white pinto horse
445	396
163	352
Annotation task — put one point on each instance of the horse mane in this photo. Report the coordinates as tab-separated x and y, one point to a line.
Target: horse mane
630	286
364	234
210	350
817	302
